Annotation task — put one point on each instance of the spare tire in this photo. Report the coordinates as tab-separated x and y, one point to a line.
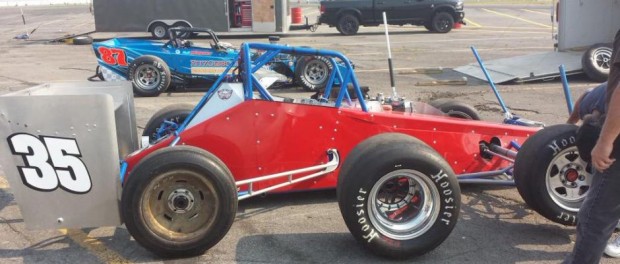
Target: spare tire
596	61
457	109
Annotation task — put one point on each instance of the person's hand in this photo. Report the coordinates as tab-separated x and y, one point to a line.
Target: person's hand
601	156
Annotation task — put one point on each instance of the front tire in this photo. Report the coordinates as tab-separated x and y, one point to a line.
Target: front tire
348	25
551	176
456	109
149	75
442	22
398	197
176	113
312	72
179	201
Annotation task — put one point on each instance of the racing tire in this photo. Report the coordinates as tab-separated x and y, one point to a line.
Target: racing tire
442	22
596	62
149	75
454	108
159	30
348	24
396	176
82	40
179	201
551	176
312	72
176	113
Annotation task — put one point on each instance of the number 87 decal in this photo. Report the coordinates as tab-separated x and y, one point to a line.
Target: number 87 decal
51	162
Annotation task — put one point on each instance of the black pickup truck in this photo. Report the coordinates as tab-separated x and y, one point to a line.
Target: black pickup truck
348	15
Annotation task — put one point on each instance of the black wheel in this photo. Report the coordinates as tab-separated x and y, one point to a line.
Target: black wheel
454	108
312	72
155	127
348	24
184	35
179	201
596	61
551	176
398	197
149	75
442	22
159	30
82	40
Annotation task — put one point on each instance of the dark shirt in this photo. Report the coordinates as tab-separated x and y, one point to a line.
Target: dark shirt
614	68
593	100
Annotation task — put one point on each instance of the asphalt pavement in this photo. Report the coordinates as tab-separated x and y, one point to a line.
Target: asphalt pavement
495	225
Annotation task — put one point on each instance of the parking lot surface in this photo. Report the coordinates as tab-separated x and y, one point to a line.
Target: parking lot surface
495	225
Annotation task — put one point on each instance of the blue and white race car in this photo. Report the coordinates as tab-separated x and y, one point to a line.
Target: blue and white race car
153	67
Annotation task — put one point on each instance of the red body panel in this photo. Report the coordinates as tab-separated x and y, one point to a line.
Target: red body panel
258	138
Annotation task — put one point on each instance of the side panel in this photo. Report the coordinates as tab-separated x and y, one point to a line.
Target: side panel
135	15
578	19
64	171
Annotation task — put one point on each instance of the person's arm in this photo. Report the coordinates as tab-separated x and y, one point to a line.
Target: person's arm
574	115
601	154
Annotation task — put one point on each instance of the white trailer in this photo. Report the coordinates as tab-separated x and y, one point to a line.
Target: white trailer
585	30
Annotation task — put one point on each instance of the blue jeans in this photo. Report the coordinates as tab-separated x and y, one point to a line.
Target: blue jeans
598	216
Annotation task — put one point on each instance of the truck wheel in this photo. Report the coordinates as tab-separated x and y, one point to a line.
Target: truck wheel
442	22
159	30
454	108
179	201
595	61
348	24
149	75
398	197
155	127
312	72
550	175
429	27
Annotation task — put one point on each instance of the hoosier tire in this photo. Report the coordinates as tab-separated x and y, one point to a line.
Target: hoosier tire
179	201
398	197
550	175
173	113
149	75
312	72
454	108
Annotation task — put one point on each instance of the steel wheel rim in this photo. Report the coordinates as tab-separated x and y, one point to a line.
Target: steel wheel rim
601	58
410	198
160	31
147	77
568	179
179	205
316	72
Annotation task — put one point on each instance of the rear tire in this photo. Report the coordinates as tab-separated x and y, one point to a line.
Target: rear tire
550	175
149	75
348	25
454	108
312	72
176	113
179	201
442	22
398	197
596	61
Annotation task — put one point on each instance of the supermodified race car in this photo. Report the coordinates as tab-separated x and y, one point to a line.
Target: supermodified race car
153	67
396	164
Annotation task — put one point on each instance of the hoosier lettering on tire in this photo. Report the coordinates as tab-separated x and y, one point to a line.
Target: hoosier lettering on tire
398	197
550	174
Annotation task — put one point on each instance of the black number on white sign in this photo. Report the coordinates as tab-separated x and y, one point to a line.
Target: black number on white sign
51	162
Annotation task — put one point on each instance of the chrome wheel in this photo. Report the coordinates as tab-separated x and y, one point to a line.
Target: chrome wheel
316	72
147	77
568	179
403	204
179	205
601	58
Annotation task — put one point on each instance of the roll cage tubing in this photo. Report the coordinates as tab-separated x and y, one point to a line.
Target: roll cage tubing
247	68
174	33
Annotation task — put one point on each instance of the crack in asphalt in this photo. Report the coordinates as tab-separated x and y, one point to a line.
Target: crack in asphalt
19	80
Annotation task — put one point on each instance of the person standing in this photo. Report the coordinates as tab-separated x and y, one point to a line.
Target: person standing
600	211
